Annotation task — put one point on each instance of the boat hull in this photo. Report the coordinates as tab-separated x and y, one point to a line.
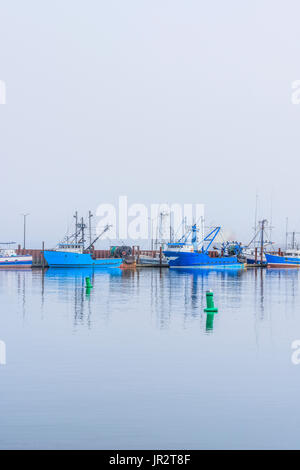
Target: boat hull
276	261
64	259
200	260
15	262
151	261
251	260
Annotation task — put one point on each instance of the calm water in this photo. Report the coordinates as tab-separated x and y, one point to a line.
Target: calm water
133	365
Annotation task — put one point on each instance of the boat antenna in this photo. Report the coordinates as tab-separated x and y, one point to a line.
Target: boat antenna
255	218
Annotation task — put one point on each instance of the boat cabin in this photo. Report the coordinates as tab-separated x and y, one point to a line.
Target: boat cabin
292	253
71	247
182	247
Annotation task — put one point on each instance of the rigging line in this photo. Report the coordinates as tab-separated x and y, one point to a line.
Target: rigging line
65	236
253	239
221	235
181	224
69	223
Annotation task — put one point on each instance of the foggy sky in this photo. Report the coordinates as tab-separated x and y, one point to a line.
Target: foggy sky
162	101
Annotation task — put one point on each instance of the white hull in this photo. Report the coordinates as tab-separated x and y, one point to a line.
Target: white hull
15	261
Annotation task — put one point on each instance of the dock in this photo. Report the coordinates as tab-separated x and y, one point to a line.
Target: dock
255	266
155	257
144	258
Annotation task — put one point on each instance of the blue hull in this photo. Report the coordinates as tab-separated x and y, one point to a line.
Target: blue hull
200	260
277	261
64	259
252	261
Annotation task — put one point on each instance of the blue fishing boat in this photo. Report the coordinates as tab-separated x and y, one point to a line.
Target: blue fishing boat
185	254
73	254
289	259
77	259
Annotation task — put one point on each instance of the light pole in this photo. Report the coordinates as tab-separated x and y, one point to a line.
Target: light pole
24	240
151	232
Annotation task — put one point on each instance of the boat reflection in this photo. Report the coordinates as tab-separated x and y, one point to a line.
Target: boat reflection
70	285
169	298
75	273
193	284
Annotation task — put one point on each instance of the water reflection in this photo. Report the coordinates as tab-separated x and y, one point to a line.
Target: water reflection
210	322
172	298
182	292
86	366
70	285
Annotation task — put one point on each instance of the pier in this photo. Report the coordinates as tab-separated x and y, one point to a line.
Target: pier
143	258
155	256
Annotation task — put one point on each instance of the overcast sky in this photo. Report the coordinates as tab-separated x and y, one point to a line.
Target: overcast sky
162	101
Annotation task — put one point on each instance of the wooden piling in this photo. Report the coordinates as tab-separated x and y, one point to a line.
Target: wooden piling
43	257
138	255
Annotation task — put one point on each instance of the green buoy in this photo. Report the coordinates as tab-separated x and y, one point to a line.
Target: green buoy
210	306
210	321
87	292
210	310
88	284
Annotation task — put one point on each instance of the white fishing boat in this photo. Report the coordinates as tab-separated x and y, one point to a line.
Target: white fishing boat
10	259
153	261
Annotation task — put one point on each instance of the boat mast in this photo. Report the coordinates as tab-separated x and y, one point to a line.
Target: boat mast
152	234
293	240
263	223
76	226
82	232
90	227
24	230
194	237
271	219
293	244
160	227
255	218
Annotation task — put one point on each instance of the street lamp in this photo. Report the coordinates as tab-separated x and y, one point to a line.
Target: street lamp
24	218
